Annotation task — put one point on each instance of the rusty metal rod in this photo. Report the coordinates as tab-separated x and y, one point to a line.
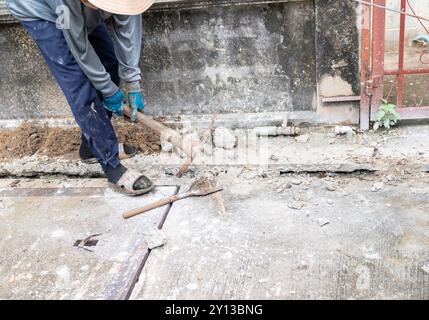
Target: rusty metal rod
401	56
393	10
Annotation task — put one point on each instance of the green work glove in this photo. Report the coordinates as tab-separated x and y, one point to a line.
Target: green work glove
115	103
135	98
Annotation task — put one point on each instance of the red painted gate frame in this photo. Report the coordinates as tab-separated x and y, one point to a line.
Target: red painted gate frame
372	65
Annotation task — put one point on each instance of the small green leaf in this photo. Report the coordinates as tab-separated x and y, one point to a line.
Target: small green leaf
380	115
390	107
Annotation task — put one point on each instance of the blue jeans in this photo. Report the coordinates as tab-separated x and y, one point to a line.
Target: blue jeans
85	101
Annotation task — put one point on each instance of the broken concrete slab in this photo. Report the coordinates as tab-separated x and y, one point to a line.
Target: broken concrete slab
402	149
41	224
261	249
224	138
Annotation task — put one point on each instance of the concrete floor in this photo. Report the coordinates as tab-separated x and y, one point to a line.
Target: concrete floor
318	235
375	246
41	221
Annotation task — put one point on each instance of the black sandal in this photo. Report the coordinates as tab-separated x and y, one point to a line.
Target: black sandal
132	184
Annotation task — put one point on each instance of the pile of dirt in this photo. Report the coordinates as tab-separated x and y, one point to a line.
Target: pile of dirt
137	136
32	138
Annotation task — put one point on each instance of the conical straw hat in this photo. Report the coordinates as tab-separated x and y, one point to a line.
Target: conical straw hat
126	7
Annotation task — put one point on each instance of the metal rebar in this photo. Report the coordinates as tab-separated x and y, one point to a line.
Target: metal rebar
390	9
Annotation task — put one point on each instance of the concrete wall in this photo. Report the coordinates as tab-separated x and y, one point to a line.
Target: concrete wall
259	56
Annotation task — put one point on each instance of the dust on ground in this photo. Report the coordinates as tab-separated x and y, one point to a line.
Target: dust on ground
33	138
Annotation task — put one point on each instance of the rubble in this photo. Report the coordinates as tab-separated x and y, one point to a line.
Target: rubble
155	239
275	131
296	205
166	146
377	186
234	172
224	138
274	157
370	254
323	222
303	138
279	190
425	267
250	174
296	182
302	197
340	130
208	149
330	187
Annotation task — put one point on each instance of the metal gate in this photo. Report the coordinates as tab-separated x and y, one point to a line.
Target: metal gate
373	70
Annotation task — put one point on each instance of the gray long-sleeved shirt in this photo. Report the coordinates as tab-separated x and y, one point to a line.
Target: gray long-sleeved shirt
77	24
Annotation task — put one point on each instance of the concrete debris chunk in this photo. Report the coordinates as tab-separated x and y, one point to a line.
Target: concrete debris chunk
263	173
224	138
170	171
323	222
296	182
2	206
425	267
208	149
303	138
340	130
331	187
377	186
155	239
296	205
250	174
275	131
370	254
166	146
300	197
234	172
274	157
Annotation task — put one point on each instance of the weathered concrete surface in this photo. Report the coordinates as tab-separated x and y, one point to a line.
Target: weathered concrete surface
256	55
42	219
260	58
337	58
401	149
346	242
337	52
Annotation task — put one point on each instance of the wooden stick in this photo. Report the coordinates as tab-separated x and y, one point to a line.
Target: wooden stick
190	149
197	149
163	131
155	205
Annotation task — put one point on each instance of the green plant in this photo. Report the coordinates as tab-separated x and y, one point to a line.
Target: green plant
386	116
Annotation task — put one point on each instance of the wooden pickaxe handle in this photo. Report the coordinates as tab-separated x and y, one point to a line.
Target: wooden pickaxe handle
155	205
163	131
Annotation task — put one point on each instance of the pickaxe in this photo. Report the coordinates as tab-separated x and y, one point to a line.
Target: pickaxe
190	148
